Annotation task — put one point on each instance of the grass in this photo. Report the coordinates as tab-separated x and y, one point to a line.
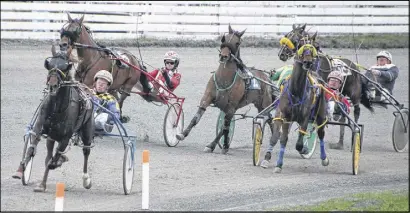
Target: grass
383	201
380	41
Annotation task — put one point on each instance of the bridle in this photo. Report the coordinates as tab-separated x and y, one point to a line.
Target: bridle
224	59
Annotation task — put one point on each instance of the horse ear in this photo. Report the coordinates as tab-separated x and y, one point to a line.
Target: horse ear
230	29
303	27
81	19
69	17
241	33
223	38
53	50
314	36
293	26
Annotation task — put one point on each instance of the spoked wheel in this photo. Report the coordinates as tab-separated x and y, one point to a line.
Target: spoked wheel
258	130
400	135
171	128
29	165
356	152
128	168
219	126
310	141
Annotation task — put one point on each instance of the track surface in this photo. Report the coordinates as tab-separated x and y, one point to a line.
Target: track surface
185	178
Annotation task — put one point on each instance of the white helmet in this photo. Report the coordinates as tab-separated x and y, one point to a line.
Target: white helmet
385	54
104	74
172	56
335	74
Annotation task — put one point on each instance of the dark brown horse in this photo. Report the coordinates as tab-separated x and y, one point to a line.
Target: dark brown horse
302	100
352	85
227	90
92	61
64	112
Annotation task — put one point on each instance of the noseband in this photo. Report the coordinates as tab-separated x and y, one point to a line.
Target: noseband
72	35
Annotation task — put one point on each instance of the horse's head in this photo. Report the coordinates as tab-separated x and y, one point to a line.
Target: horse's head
58	67
306	55
293	41
72	32
230	45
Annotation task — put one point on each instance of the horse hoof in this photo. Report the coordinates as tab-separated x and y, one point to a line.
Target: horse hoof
338	146
52	166
224	151
40	188
325	162
277	170
304	151
17	175
265	164
208	150
125	119
180	136
86	181
88	186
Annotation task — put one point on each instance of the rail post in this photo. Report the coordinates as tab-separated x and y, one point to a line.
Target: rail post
59	197
145	179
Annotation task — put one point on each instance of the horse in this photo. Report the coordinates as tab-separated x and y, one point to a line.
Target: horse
228	92
353	86
302	100
124	77
64	111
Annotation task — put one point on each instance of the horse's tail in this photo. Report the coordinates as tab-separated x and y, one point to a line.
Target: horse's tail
365	99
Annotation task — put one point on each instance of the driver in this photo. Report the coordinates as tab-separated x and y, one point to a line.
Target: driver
103	120
385	74
334	81
169	74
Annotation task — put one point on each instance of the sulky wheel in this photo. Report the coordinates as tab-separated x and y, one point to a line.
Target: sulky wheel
128	167
310	141
258	130
171	128
400	135
29	165
219	126
356	147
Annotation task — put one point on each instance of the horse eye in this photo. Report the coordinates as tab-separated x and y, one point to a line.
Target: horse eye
237	44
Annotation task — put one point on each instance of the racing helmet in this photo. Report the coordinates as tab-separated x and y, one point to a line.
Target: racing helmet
172	56
104	74
385	54
335	74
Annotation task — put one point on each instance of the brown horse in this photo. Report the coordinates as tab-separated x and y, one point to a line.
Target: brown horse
228	92
353	87
92	61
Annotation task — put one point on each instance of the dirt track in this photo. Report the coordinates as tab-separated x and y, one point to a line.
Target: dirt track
185	178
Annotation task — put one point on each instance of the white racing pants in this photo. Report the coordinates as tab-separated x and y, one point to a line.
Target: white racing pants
101	122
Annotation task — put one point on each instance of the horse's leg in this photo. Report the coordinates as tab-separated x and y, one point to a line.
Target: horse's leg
283	141
35	137
299	144
205	102
321	134
42	186
339	145
124	94
225	132
59	158
87	138
275	128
